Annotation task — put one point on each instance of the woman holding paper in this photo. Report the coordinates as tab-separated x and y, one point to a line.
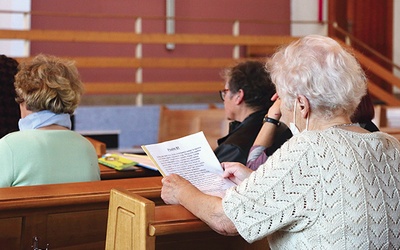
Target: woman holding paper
333	185
45	150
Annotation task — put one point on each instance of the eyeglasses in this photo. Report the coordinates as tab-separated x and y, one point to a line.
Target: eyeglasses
222	94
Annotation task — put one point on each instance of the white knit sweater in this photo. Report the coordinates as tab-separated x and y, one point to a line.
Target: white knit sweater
331	189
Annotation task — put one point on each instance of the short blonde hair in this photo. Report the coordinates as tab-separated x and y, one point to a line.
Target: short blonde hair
49	83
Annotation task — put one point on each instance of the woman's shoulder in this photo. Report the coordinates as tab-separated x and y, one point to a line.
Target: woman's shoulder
34	135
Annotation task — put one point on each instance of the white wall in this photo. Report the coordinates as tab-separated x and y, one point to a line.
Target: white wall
14	48
307	10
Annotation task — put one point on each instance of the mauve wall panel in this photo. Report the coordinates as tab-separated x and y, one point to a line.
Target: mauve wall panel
267	10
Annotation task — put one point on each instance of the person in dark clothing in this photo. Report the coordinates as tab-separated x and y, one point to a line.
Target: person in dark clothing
365	113
9	109
247	98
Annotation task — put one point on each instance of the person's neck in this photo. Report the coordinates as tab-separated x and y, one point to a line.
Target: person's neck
321	124
53	127
45	119
243	114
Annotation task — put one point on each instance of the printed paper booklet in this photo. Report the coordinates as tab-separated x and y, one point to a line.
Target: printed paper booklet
192	158
142	160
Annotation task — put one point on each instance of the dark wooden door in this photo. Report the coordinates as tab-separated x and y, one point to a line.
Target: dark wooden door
371	23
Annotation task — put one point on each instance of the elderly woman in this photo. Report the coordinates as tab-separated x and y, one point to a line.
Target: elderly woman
333	185
45	150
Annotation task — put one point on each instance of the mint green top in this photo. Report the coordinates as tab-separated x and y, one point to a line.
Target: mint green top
34	157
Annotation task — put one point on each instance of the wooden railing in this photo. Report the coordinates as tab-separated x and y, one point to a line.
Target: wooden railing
255	46
131	37
382	72
387	97
134	63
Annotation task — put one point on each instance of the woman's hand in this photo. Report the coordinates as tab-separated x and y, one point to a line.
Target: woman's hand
235	171
173	184
177	190
275	110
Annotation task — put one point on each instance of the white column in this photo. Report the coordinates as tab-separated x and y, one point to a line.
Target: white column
170	21
236	32
307	10
138	55
17	20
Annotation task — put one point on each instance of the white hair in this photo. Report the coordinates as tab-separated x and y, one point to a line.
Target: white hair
323	71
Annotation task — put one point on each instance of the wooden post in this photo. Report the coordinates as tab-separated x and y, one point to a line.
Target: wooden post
126	228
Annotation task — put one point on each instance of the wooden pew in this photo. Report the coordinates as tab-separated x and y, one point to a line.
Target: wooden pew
135	222
178	123
388	119
99	147
65	216
107	173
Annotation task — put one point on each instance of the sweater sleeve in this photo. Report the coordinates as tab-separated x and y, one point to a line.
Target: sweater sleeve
283	194
256	157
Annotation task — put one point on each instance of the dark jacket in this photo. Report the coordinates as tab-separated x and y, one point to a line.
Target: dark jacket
236	145
370	126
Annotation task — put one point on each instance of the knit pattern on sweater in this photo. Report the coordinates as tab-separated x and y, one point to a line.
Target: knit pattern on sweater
331	189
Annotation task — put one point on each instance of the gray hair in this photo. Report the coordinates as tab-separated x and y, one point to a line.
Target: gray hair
323	71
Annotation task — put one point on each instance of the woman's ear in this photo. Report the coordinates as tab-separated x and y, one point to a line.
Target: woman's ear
304	106
239	97
23	110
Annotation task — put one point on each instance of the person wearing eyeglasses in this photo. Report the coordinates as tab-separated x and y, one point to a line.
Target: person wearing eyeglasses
364	114
247	98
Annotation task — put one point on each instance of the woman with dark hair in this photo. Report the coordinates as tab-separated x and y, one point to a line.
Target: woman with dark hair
364	114
247	97
9	109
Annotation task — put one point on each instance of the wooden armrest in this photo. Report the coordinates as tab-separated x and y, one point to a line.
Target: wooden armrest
99	146
172	219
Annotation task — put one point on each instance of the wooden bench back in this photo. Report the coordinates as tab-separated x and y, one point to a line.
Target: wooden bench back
178	123
137	223
99	146
65	216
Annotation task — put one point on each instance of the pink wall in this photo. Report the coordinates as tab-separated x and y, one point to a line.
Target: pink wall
267	10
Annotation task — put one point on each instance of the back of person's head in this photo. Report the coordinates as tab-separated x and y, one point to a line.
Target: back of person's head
9	109
254	80
323	71
49	83
365	111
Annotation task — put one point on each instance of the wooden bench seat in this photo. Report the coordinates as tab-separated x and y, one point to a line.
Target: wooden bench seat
65	216
135	222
